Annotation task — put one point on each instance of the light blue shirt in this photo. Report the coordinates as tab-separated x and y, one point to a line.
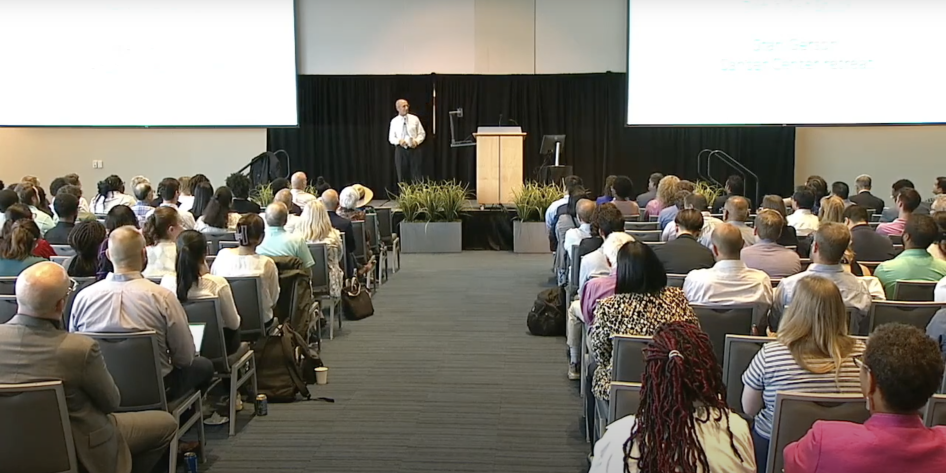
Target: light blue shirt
854	292
593	265
667	215
279	242
550	212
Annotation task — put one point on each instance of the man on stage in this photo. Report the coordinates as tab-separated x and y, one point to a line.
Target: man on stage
406	135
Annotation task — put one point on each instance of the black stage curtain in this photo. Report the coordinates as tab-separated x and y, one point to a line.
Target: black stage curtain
344	127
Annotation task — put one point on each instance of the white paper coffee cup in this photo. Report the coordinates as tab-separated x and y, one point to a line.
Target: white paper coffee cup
321	375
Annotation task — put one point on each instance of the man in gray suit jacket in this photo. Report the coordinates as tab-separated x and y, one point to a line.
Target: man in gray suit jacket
33	347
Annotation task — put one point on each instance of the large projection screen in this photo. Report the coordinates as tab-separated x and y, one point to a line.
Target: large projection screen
785	62
136	63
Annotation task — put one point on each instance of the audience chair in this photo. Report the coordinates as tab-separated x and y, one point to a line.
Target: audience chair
796	412
738	352
61	260
935	412
655	243
917	314
775	282
896	239
373	236
641	212
805	263
213	241
238	368
719	320
390	239
574	275
361	243
8	286
8	308
627	365
873	215
635	226
652	218
942	388
676	280
914	291
227	244
63	250
625	399
322	286
248	298
645	235
792	247
133	361
632	218
210	260
874	225
871	265
37	435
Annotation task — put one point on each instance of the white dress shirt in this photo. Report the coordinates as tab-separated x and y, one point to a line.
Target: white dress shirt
187	219
162	260
939	294
415	131
101	205
232	221
574	236
229	263
804	222
748	234
208	287
593	265
185	202
709	222
552	210
301	197
43	221
129	303
730	282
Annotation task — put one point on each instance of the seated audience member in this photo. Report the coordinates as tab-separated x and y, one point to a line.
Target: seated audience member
868	245
239	184
329	198
641	303
160	233
668	214
218	218
244	261
735	213
193	280
893	212
842	191
564	222
607	194
18	212
145	195
86	239
7	198
819	187
316	227
299	183
696	202
203	194
729	282
899	371
788	237
830	243
30	197
72	179
186	200
571	183
111	193
812	353
321	186
652	182
804	222
610	224
170	190
682	392
16	247
126	302
33	348
278	241
584	210
666	189
832	210
279	184
352	200
938	248
84	212
907	200
767	255
915	263
622	189
54	186
135	181
684	253
119	216
735	186
864	198
285	197
939	189
67	208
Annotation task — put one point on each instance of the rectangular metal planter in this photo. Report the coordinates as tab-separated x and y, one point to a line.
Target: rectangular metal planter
530	237
431	237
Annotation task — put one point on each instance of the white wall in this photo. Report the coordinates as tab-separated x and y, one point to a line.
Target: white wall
156	153
885	153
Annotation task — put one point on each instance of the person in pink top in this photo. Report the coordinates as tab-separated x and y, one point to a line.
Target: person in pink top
900	369
666	190
907	201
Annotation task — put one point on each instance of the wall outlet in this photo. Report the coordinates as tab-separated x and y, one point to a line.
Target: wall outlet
97	164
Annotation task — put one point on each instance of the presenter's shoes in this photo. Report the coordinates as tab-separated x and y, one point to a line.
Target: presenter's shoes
573	372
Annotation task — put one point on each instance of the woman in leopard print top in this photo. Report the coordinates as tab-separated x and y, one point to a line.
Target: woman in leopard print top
641	303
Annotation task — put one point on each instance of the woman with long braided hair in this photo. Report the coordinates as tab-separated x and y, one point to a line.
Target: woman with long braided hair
86	238
683	423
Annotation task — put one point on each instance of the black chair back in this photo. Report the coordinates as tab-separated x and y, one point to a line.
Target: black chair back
719	321
676	280
645	236
358	228
213	241
795	413
372	235
385	224
935	412
624	400
917	314
132	360
37	435
321	283
8	308
627	358
914	291
738	352
8	286
207	311
247	296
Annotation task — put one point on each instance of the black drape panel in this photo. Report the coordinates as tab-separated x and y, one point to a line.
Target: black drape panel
344	124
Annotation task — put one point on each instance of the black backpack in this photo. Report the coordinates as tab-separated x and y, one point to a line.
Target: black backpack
547	318
285	365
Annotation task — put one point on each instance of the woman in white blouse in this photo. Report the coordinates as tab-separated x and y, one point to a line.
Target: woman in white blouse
315	227
111	193
160	230
243	261
218	217
194	281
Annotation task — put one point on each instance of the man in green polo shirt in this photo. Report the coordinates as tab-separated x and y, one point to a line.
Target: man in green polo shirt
915	263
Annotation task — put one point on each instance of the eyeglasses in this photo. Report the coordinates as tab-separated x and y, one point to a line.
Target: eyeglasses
73	285
859	362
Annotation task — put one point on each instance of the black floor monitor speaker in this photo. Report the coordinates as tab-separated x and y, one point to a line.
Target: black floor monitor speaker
554	174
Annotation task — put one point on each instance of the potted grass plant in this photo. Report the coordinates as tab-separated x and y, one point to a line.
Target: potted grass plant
709	191
262	194
432	213
529	234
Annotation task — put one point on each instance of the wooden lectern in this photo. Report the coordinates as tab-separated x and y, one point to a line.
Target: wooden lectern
498	163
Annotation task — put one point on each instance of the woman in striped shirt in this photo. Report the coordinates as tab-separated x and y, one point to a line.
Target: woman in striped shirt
813	353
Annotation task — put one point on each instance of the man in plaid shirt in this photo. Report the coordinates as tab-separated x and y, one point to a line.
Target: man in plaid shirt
145	195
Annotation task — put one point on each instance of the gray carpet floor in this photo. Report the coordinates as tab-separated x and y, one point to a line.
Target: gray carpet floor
443	378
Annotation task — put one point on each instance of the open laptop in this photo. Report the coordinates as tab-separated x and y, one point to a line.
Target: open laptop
197	331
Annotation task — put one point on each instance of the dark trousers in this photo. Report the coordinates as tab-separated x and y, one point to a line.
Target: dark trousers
196	376
761	445
408	164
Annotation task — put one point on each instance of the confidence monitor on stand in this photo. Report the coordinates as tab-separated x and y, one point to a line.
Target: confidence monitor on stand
552	147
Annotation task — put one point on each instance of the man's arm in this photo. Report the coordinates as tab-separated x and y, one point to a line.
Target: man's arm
97	382
180	341
421	134
392	134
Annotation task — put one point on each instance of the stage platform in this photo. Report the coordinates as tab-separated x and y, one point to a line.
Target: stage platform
483	229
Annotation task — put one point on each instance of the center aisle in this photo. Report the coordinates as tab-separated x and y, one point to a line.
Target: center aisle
444	377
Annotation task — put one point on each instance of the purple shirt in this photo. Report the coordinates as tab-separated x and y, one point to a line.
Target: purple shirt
893	228
604	199
595	290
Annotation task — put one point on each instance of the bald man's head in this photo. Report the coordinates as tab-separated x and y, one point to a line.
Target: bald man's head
402	107
126	249
330	200
277	214
41	291
727	242
736	209
585	210
299	181
284	197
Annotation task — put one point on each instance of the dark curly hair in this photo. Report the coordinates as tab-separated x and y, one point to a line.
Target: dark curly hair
239	184
906	364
